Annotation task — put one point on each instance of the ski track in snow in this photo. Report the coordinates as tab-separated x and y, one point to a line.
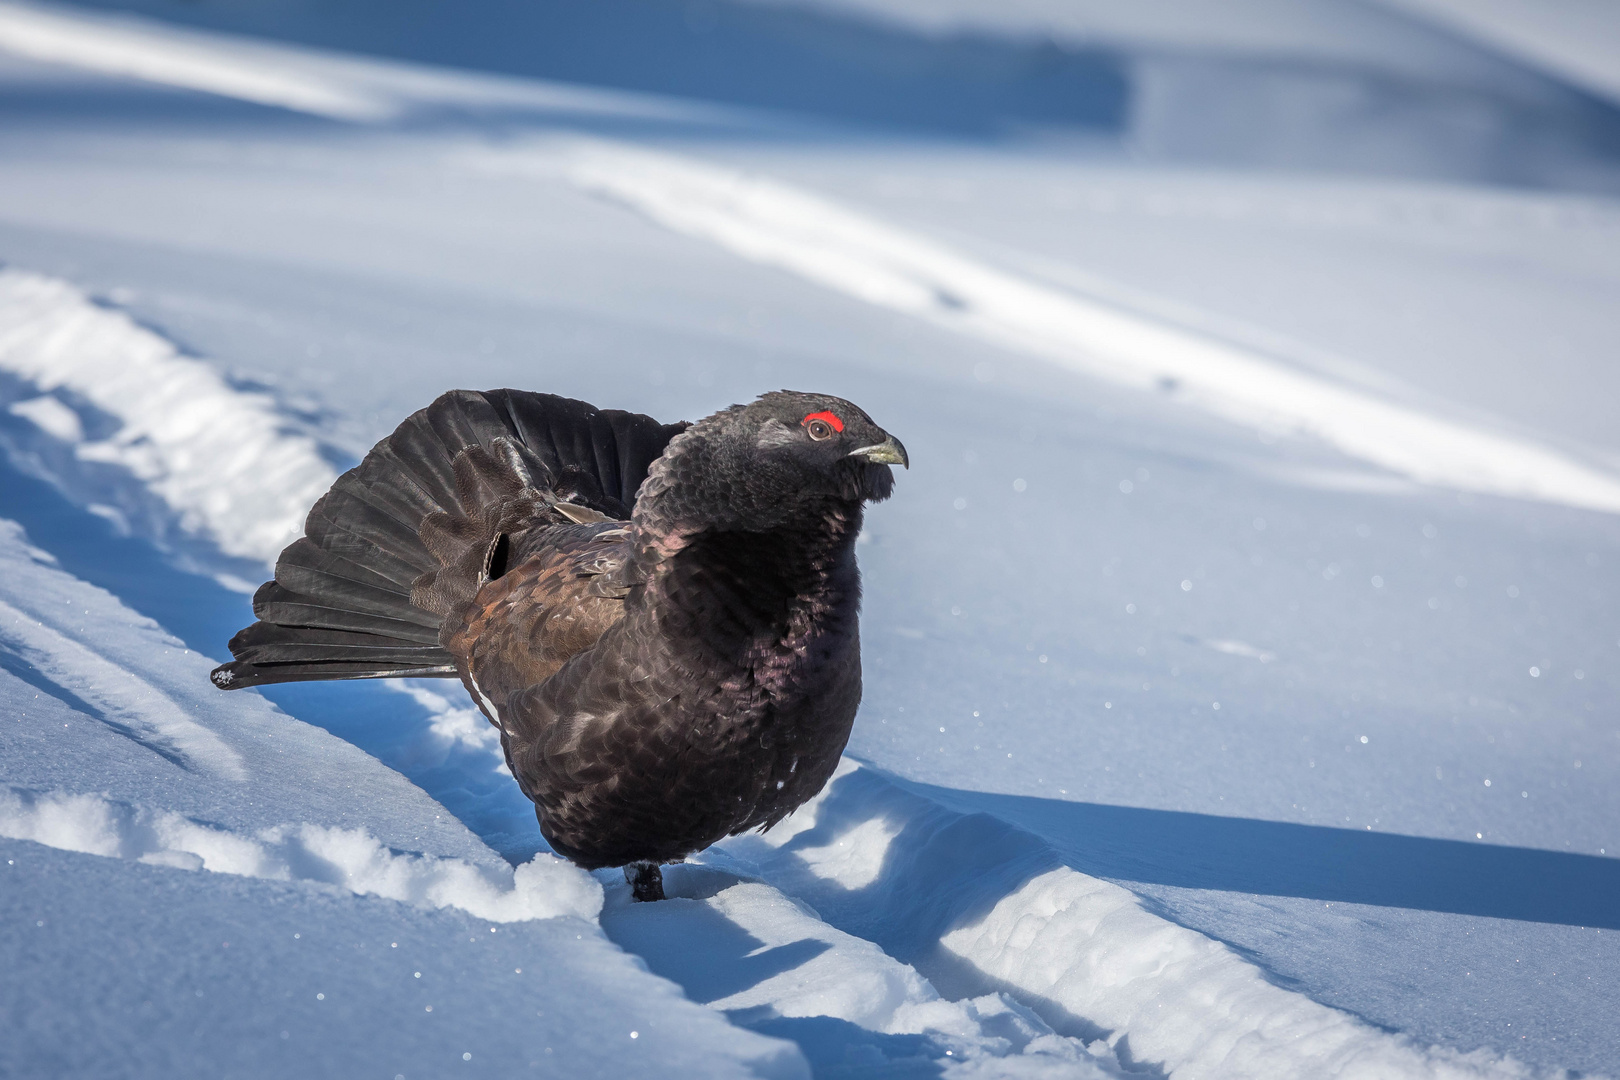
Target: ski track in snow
190	61
221	459
852	253
337	86
838	248
872	857
129	704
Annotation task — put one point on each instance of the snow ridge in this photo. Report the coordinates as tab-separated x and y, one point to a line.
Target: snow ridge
351	859
841	249
220	458
1066	944
837	976
1184	999
126	702
173	57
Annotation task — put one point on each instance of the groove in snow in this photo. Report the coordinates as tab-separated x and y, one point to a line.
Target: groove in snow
990	906
220	458
127	702
849	252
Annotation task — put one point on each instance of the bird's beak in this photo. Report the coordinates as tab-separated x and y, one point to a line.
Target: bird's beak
887	452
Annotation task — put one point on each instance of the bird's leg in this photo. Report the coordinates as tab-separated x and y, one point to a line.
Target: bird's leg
646	880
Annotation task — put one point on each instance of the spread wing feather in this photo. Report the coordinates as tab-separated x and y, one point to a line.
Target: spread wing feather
348	597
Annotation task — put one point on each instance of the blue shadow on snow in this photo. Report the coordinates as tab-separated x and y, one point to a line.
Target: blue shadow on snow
713	958
817	62
1314	862
204	615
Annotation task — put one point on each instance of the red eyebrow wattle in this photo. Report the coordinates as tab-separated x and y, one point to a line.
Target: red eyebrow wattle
831	418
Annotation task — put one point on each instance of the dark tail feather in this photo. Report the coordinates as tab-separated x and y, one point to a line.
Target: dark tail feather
340	605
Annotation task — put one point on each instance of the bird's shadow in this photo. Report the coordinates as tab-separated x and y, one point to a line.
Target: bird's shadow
1275	858
1025	835
713	958
954	854
696	946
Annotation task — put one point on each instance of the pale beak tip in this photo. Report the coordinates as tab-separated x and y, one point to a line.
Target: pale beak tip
888	452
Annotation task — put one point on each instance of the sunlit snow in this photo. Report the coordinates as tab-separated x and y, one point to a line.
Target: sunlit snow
1240	650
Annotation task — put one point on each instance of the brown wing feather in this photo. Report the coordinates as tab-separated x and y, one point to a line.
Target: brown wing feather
524	625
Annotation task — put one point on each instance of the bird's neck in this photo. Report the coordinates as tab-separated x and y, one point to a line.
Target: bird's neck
738	590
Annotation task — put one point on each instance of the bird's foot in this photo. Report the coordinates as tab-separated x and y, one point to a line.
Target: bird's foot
646	880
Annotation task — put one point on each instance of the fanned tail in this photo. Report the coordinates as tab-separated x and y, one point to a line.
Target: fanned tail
411	530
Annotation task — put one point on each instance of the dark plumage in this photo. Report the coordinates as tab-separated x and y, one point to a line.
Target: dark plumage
661	619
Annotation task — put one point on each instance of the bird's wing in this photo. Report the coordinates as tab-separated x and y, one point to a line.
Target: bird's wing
522	626
403	537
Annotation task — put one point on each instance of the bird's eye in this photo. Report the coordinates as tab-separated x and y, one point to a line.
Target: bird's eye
821	425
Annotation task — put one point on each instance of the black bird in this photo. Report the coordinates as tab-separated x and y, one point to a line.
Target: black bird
662	620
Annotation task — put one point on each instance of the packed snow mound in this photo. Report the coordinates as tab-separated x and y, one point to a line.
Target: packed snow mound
352	859
772	964
1088	946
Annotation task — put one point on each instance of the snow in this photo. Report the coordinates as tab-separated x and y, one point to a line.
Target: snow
117	751
774	224
1256	725
170	59
1577	39
1078	946
183	430
138	708
543	888
716	937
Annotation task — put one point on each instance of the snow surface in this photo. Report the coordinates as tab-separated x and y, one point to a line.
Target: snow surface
115	749
193	440
776	225
1577	39
1254	725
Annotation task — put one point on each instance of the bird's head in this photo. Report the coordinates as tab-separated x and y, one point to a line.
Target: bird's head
763	465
